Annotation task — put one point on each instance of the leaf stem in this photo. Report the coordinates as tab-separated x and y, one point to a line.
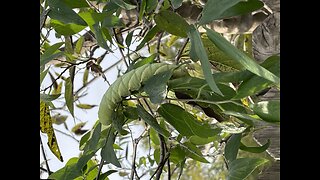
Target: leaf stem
177	58
44	156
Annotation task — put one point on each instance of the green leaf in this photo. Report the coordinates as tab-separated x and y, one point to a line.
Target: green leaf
106	33
123	4
84	140
148	37
214	10
172	23
149	119
154	136
142	9
116	146
91	170
241	8
243	117
177	155
92	17
129	38
111	21
107	152
68	95
241	57
79	45
69	171
241	168
151	5
92	143
156	155
100	38
131	112
256	84
106	174
185	123
48	97
202	55
85	106
156	86
234	77
193	152
66	29
144	61
268	110
176	3
76	4
232	147
85	77
43	75
196	140
90	147
259	149
51	53
60	11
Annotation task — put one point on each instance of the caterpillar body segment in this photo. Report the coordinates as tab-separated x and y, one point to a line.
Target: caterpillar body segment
124	85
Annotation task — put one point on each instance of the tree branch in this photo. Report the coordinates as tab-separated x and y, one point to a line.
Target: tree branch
169	173
120	48
43	18
162	156
135	143
181	51
158	46
161	164
66	134
44	157
102	161
43	169
100	168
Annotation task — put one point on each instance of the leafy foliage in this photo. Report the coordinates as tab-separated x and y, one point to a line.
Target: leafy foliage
192	94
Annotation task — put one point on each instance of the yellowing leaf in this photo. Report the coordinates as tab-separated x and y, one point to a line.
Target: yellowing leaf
46	127
77	129
85	106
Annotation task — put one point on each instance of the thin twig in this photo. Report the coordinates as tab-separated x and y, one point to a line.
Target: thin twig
120	48
44	157
43	169
181	51
162	156
92	6
207	101
135	143
102	161
161	164
158	46
43	18
100	168
168	164
67	134
53	82
46	37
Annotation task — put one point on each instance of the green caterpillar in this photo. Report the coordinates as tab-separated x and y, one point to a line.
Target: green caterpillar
123	86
